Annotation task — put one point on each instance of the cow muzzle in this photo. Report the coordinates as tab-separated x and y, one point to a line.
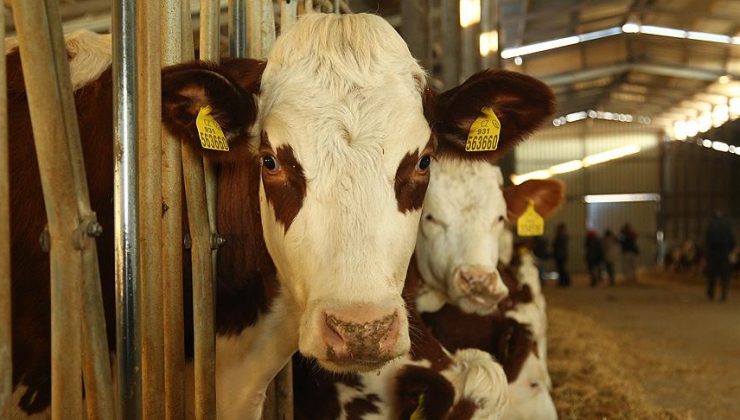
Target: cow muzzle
478	290
360	339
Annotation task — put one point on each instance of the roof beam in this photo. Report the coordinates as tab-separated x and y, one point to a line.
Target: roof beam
658	69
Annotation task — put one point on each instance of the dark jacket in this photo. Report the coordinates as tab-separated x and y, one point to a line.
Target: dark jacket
560	246
719	240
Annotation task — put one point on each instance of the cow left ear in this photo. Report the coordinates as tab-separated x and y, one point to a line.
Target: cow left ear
521	104
547	194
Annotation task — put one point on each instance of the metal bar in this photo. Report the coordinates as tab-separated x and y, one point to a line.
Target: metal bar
415	30
6	336
288	14
450	43
171	27
201	204
53	117
150	208
260	27
238	28
125	210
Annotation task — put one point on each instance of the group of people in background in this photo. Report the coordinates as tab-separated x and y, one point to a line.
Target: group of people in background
602	254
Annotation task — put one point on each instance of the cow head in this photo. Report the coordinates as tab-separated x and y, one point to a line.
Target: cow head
466	205
529	397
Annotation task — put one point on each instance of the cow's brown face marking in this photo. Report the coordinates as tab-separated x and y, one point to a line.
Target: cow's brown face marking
412	178
284	181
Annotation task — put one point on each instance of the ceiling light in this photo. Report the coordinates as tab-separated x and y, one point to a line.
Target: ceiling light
570	166
630	28
706	143
518	61
488	43
621	198
662	31
541	174
723	80
705	36
720	146
610	155
469	12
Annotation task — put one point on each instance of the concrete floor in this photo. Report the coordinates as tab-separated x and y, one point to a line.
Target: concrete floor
694	344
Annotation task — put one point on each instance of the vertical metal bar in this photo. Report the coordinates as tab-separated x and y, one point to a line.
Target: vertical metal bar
415	30
200	187
150	208
172	300
125	210
54	119
238	28
288	14
6	336
260	27
450	43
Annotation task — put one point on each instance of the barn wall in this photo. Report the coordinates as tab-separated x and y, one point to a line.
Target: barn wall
639	173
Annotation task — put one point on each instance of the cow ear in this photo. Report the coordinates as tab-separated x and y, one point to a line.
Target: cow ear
547	194
423	391
521	104
229	91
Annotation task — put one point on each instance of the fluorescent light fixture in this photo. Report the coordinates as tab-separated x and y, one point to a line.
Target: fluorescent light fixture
576	116
705	122
706	143
488	43
720	146
575	165
662	31
570	166
541	174
469	12
621	198
602	157
518	61
600	115
539	47
692	128
629	28
723	80
709	37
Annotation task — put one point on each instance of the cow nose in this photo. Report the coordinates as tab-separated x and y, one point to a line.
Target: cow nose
477	281
356	340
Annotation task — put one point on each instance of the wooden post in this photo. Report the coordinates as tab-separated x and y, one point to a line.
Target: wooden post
54	121
171	30
6	336
150	208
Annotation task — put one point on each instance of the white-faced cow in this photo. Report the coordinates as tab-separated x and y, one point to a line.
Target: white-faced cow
319	196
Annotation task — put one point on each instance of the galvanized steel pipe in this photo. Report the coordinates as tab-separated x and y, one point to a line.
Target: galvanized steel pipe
238	28
126	209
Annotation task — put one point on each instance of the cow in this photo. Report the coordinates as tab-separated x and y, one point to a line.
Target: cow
319	197
464	214
510	341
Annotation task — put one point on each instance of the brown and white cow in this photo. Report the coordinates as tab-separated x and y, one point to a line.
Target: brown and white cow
319	196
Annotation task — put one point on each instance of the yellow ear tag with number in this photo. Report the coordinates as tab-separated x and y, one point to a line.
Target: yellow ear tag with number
484	132
210	133
530	223
418	414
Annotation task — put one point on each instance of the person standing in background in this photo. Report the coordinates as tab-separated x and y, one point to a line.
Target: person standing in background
610	245
594	256
560	253
719	243
630	251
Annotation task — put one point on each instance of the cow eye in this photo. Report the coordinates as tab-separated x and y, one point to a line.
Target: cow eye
534	385
501	219
270	163
424	163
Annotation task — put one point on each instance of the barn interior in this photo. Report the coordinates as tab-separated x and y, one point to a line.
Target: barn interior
645	133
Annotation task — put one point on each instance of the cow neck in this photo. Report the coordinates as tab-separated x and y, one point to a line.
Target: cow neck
246	282
423	344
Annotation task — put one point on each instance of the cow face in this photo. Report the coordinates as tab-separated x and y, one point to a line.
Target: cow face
528	394
336	130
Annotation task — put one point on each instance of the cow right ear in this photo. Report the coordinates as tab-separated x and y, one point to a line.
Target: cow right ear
228	90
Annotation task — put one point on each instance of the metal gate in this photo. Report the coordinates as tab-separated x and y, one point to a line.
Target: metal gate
147	35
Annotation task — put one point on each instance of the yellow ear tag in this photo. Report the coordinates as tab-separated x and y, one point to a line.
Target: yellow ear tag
418	414
484	132
210	133
530	223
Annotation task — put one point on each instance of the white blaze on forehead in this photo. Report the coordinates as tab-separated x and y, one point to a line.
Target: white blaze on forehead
466	202
344	94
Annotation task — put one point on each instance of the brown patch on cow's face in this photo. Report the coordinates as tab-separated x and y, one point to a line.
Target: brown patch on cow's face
283	180
463	410
412	178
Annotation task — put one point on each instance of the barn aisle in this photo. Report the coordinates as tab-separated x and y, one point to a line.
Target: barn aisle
653	350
